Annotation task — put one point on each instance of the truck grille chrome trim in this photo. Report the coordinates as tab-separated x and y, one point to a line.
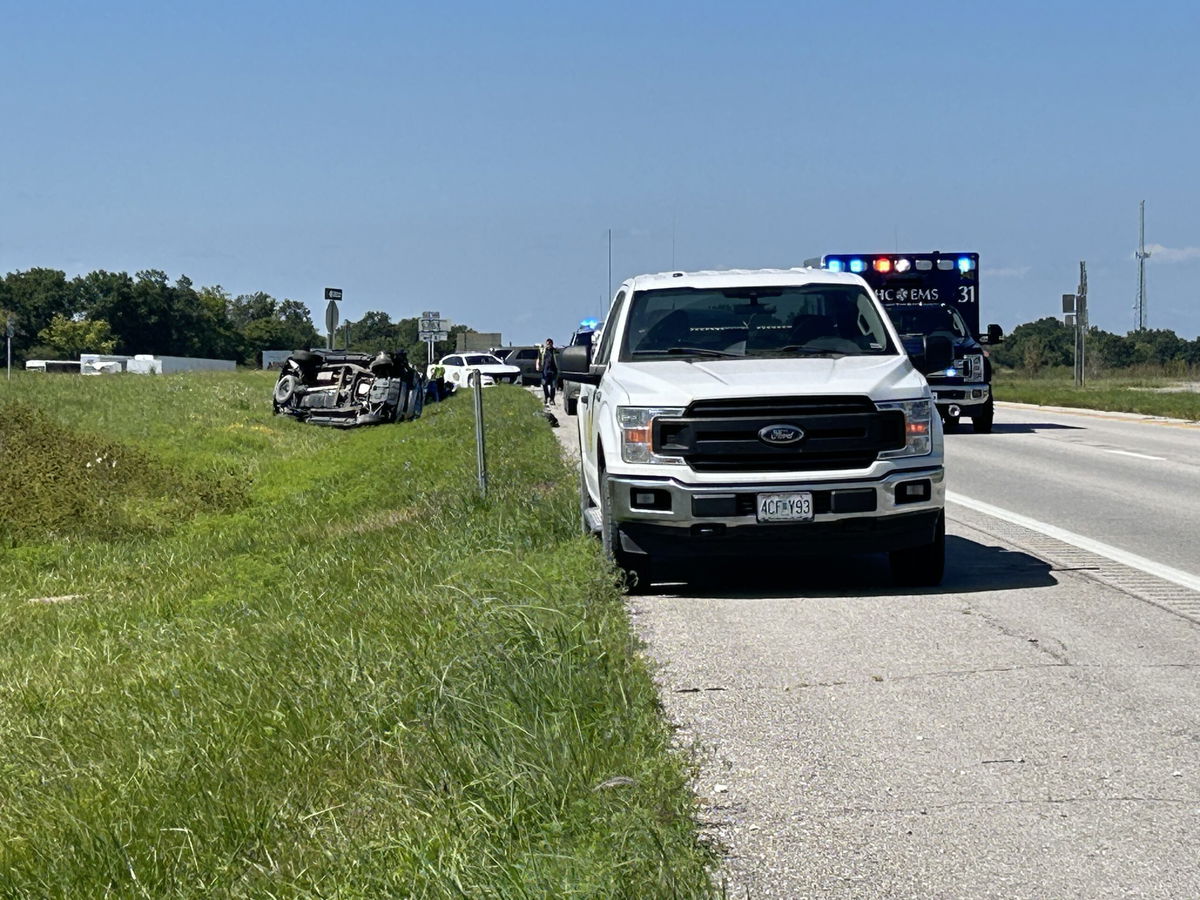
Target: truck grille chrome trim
725	435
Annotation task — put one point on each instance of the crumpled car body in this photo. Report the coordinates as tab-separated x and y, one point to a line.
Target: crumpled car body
343	389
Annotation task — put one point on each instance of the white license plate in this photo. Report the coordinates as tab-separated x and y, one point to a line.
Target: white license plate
793	507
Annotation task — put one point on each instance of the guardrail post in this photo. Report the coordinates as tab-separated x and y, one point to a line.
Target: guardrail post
480	454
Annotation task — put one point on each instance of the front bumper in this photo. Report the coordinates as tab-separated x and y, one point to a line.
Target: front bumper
964	395
853	515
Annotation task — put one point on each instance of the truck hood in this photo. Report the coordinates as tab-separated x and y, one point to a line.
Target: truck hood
679	382
914	343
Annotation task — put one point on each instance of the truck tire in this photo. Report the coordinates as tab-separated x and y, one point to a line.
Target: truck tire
981	422
635	571
922	566
285	388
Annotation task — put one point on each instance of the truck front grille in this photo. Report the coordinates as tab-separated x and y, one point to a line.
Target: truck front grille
723	435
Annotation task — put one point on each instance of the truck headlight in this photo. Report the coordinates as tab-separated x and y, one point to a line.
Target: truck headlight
637	434
918	427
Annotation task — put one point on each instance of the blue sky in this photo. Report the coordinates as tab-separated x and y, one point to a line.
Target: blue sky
471	157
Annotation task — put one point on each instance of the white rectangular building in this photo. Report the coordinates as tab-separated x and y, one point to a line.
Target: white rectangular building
149	364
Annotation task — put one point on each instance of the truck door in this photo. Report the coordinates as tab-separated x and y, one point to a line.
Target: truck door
589	396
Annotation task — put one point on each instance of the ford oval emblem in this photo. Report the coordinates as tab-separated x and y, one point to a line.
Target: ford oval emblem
780	435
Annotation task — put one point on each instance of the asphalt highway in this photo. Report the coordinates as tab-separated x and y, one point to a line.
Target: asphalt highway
1128	481
1029	729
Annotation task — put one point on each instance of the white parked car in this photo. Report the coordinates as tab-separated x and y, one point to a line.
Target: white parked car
460	369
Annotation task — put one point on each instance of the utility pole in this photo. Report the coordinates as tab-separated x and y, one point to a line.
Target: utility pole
8	332
1142	256
1081	325
610	262
1074	307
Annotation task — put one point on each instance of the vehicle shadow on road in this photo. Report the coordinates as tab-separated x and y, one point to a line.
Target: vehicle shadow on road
971	567
1021	428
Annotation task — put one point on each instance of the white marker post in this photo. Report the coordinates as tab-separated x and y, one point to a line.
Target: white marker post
476	380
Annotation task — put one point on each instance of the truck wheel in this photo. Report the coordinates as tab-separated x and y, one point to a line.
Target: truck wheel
921	566
285	388
982	421
636	571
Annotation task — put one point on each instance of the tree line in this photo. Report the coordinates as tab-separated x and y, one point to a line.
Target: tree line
376	331
1048	343
56	317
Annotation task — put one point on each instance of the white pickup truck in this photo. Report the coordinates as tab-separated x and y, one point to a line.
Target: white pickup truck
770	413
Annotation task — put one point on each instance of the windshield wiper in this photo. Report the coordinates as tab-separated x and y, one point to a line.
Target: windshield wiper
813	351
692	351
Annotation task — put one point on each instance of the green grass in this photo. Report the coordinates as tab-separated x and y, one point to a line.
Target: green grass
1147	395
303	662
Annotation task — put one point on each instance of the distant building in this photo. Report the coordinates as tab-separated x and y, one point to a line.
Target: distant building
69	366
149	364
274	359
103	363
476	340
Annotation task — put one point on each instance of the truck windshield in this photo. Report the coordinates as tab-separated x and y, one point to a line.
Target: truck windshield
759	322
926	320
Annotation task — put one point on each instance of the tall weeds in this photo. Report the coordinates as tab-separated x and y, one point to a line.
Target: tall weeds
328	669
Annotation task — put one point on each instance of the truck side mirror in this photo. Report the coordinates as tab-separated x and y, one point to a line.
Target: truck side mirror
938	355
575	365
994	334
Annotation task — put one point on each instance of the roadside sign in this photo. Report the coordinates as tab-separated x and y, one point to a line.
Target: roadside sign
1068	303
331	317
333	293
432	327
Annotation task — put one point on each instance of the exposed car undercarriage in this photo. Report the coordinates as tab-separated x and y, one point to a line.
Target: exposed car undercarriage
344	389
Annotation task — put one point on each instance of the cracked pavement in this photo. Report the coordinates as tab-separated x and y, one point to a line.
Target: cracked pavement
1038	739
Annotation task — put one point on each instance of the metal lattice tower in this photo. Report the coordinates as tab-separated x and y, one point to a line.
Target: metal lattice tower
1142	256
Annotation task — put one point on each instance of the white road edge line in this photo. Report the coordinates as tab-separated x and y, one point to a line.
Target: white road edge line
1116	554
1134	455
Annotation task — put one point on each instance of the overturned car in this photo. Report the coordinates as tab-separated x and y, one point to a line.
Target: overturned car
345	389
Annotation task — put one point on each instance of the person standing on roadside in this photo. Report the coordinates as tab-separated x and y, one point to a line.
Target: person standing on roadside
548	367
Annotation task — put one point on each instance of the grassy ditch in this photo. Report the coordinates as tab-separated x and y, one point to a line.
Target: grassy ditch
1150	396
256	658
